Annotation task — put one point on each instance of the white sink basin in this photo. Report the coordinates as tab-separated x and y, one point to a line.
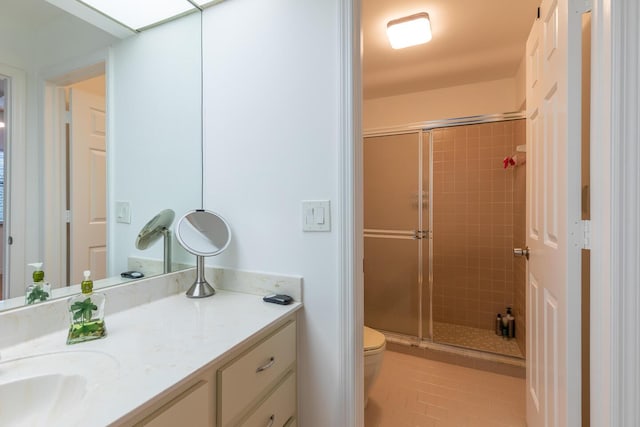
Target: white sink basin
49	389
34	401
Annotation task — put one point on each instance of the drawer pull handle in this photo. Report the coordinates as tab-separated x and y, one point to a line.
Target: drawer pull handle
267	366
272	419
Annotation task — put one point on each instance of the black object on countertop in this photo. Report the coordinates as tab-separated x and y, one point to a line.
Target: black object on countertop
132	275
278	299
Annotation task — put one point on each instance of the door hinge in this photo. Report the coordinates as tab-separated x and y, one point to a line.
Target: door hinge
67	117
10	240
67	217
586	234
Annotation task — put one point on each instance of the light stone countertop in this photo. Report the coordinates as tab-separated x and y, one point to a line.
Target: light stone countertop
159	344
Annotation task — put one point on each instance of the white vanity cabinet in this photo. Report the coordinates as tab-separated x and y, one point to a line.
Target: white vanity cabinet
254	386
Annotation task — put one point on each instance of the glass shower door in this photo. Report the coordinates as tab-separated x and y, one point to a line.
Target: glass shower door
392	236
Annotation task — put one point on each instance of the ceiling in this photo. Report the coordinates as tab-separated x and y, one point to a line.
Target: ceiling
28	15
473	40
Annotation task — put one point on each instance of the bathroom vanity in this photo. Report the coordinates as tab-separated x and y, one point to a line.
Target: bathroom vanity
249	386
228	360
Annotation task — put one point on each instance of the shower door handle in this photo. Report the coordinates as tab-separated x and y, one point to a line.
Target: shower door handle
420	234
521	252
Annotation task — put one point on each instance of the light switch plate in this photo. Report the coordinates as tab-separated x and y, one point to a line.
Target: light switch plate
123	212
316	215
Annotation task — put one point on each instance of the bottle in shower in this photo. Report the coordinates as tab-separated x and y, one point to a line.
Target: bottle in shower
499	325
511	324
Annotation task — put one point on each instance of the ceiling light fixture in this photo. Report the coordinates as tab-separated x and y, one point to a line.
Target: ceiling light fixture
1	125
409	31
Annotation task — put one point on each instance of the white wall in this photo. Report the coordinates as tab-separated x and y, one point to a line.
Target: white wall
271	104
521	85
154	100
95	85
495	96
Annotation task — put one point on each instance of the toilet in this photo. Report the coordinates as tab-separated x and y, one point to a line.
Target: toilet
374	345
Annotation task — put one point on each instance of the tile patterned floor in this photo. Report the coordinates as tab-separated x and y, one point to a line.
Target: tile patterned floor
417	392
475	338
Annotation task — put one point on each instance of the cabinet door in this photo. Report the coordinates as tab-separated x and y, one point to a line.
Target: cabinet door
192	408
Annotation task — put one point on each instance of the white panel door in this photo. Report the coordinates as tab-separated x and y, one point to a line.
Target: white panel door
553	214
87	186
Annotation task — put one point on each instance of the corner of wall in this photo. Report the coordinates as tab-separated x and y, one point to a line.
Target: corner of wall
520	84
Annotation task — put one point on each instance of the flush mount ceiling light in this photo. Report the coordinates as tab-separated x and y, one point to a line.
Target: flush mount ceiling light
409	31
139	14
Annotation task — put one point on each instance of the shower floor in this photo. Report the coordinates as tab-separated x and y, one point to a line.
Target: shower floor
475	338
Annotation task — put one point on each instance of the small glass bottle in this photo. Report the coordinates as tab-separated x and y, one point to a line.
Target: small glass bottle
38	290
87	314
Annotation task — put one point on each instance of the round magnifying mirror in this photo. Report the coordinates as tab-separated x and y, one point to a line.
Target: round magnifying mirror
202	233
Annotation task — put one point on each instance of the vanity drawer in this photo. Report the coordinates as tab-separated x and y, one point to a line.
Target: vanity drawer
279	409
246	378
191	407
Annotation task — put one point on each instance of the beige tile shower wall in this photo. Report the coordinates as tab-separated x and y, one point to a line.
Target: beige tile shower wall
473	223
520	236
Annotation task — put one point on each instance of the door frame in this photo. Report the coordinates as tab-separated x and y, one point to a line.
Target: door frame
15	184
54	118
615	373
614	268
350	260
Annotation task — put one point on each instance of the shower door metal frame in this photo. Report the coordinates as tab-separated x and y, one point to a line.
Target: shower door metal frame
422	128
418	234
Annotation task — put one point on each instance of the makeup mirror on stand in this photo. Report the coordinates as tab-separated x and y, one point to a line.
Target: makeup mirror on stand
157	227
202	233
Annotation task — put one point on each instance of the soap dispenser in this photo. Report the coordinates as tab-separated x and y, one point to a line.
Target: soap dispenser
38	290
86	314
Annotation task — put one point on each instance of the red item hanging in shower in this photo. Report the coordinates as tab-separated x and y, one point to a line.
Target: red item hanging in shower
508	161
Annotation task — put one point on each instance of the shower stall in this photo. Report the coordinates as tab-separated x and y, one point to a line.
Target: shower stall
444	206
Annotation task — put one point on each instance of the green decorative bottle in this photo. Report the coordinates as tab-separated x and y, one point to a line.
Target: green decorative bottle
87	314
39	290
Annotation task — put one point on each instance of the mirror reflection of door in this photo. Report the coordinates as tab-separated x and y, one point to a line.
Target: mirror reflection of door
74	191
87	180
3	84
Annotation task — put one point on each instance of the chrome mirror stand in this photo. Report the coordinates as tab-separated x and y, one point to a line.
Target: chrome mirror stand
200	288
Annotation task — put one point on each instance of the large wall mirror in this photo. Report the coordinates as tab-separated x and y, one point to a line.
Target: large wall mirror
99	132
